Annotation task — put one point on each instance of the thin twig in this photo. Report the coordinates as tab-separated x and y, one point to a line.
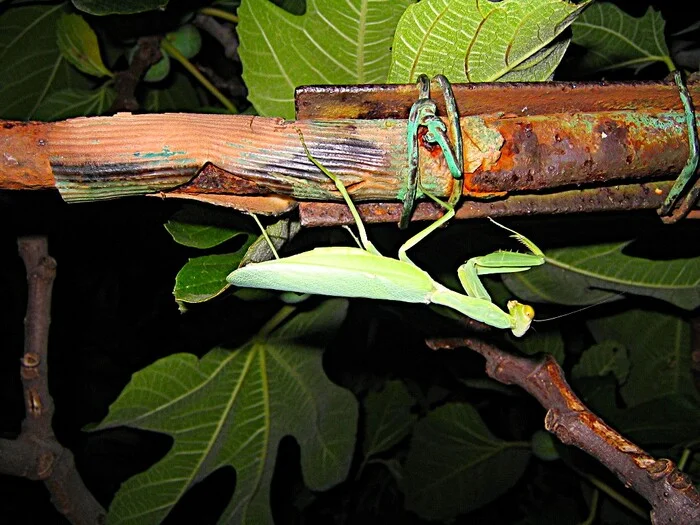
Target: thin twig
670	493
222	33
220	13
147	53
36	454
232	86
189	66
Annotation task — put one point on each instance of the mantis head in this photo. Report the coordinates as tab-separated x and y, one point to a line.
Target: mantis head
522	315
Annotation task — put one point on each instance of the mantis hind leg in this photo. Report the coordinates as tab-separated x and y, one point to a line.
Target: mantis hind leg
365	242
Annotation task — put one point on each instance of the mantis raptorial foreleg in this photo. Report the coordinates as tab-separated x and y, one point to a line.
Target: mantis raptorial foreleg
364	272
497	262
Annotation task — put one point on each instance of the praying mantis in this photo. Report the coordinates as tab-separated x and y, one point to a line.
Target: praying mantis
364	272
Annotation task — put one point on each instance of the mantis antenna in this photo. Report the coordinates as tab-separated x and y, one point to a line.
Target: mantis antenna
603	301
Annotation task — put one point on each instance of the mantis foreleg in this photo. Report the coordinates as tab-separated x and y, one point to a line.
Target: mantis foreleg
498	262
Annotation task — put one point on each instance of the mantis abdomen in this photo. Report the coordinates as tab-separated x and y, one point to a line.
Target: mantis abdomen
340	272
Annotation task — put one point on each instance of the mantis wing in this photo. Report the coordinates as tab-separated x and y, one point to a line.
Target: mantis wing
340	272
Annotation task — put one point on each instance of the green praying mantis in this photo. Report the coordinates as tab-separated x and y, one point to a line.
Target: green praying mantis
364	272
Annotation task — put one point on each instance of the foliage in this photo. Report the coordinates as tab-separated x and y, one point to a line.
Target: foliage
334	42
435	440
246	400
78	44
466	468
493	41
613	39
586	274
105	7
36	76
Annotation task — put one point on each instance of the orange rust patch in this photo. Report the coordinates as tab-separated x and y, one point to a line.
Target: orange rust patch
560	384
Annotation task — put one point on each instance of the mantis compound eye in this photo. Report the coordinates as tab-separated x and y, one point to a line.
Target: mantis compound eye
528	311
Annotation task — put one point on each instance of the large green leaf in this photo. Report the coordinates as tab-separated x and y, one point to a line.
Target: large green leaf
78	44
334	42
671	419
659	349
476	41
68	103
31	65
190	227
580	275
613	39
203	278
233	407
603	359
456	465
123	7
388	418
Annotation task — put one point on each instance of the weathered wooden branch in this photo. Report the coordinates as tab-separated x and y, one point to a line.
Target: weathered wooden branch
529	148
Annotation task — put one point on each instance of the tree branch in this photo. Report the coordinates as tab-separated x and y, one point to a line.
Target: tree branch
670	493
222	33
36	454
147	53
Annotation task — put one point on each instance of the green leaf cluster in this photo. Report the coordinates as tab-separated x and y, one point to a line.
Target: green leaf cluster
30	77
65	74
204	277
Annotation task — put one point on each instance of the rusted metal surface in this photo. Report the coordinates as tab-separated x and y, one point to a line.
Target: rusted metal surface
523	99
613	198
546	152
214	180
521	140
587	148
24	162
272	205
109	157
537	153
